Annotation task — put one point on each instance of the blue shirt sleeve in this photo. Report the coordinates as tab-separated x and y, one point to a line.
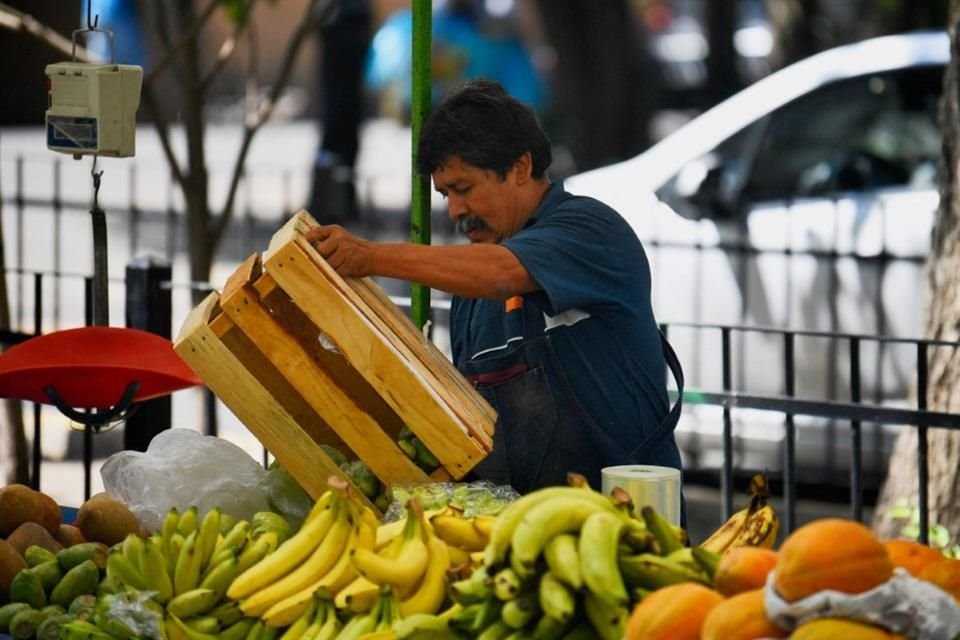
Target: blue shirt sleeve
583	253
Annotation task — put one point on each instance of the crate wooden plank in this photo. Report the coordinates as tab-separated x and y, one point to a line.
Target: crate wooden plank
356	428
373	302
390	368
281	424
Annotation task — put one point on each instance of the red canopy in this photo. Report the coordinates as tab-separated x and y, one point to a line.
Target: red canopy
90	367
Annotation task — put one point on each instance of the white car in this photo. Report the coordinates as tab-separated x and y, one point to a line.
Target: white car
805	201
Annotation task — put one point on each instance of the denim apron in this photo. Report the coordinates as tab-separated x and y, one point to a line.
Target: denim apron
542	431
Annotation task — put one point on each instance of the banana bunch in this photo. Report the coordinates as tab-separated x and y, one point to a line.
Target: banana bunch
187	568
756	525
280	589
552	566
413	563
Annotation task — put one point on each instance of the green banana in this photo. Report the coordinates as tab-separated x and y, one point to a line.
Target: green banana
156	571
597	548
520	611
167	528
186	574
177	629
668	539
507	584
203	624
582	631
295	630
708	560
132	547
122	572
237	630
83	630
475	588
237	537
227	613
610	623
544	521
563	559
650	571
556	599
507	520
487	614
193	602
548	628
115	627
464	619
422	624
496	631
220	577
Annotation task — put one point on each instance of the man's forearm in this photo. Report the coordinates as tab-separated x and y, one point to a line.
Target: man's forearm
470	271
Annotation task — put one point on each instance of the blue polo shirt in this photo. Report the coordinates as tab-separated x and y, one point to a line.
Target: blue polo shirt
595	302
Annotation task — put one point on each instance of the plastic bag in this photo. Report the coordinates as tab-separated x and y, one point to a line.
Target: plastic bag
182	468
285	495
475	498
136	615
902	604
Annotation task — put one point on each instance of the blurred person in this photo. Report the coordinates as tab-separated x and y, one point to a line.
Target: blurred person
344	39
551	318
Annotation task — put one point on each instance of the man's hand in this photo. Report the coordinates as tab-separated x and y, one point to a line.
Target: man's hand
346	253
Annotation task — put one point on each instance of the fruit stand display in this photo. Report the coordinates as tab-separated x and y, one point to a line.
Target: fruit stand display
561	562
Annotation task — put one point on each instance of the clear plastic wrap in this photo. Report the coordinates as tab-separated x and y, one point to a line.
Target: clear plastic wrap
475	498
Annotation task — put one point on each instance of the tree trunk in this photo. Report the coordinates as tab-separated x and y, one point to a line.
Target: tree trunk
942	315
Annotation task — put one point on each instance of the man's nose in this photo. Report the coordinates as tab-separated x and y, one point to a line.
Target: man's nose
456	208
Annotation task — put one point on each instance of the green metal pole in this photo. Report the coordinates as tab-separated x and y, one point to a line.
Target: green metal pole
419	107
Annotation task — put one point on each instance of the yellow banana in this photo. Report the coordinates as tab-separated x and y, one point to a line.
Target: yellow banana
187	523
597	547
132	548
388	532
458	532
186	575
432	590
458	557
300	624
288	555
359	596
563	559
551	517
556	599
256	551
323	557
484	525
207	535
409	564
193	602
156	572
237	537
168	528
220	577
760	529
507	521
719	540
609	623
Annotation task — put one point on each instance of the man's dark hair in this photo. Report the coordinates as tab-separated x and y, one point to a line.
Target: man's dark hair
485	127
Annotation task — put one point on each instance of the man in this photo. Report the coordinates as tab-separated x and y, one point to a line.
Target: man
551	317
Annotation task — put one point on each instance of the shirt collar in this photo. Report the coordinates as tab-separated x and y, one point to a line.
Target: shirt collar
551	197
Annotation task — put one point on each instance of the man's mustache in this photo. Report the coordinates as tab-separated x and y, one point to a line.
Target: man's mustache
467	224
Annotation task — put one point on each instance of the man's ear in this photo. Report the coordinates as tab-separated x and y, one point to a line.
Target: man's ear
523	168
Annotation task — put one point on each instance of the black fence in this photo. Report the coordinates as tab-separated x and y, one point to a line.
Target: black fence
853	364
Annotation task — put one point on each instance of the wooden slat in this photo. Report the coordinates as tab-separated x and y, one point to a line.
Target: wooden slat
389	368
205	350
356	428
423	356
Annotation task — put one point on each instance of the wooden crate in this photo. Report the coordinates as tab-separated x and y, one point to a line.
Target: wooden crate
304	357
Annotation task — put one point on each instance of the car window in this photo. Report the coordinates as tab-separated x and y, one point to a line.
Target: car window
854	135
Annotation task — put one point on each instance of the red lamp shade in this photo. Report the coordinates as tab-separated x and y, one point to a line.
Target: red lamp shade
91	367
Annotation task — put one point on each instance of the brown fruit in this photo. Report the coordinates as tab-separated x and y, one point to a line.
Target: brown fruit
911	555
18	504
741	617
107	520
945	573
69	535
676	612
51	513
31	533
834	628
743	569
11	563
832	553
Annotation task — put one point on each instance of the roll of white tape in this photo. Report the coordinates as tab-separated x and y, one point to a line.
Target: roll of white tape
651	485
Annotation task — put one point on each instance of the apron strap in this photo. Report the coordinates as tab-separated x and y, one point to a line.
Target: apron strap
670	356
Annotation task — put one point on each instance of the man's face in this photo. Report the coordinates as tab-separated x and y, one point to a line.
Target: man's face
484	207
